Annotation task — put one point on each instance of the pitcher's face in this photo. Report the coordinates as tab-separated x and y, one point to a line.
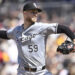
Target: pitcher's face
31	15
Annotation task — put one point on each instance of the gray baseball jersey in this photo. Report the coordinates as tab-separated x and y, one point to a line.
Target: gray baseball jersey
31	43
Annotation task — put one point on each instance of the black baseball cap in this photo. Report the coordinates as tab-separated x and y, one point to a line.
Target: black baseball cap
31	6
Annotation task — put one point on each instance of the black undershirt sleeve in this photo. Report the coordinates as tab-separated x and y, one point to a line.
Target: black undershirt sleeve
66	30
3	34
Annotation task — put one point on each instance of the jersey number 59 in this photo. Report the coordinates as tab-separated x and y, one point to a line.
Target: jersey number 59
33	48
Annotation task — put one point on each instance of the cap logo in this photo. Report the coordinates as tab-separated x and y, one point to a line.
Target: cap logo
35	5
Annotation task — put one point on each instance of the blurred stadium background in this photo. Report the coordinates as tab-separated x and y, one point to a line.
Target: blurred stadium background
61	11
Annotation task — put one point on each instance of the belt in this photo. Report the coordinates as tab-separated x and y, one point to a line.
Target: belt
33	69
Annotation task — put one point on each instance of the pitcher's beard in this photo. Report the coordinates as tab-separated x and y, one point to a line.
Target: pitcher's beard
30	21
34	19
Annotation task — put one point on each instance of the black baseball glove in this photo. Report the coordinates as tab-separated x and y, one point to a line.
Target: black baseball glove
66	47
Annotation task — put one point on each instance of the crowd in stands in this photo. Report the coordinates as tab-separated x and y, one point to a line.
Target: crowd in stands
11	16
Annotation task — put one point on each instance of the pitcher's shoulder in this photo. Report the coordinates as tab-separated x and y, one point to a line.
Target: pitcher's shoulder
45	24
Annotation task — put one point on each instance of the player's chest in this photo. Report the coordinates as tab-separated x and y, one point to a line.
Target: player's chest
28	37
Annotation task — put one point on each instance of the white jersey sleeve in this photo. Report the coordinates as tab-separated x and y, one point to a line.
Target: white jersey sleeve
48	28
11	33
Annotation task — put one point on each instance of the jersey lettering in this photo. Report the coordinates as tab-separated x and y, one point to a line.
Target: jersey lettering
26	38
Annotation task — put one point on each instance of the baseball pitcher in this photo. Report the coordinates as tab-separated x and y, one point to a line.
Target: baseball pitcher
31	38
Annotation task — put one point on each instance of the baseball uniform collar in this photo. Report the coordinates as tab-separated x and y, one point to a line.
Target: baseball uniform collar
27	27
